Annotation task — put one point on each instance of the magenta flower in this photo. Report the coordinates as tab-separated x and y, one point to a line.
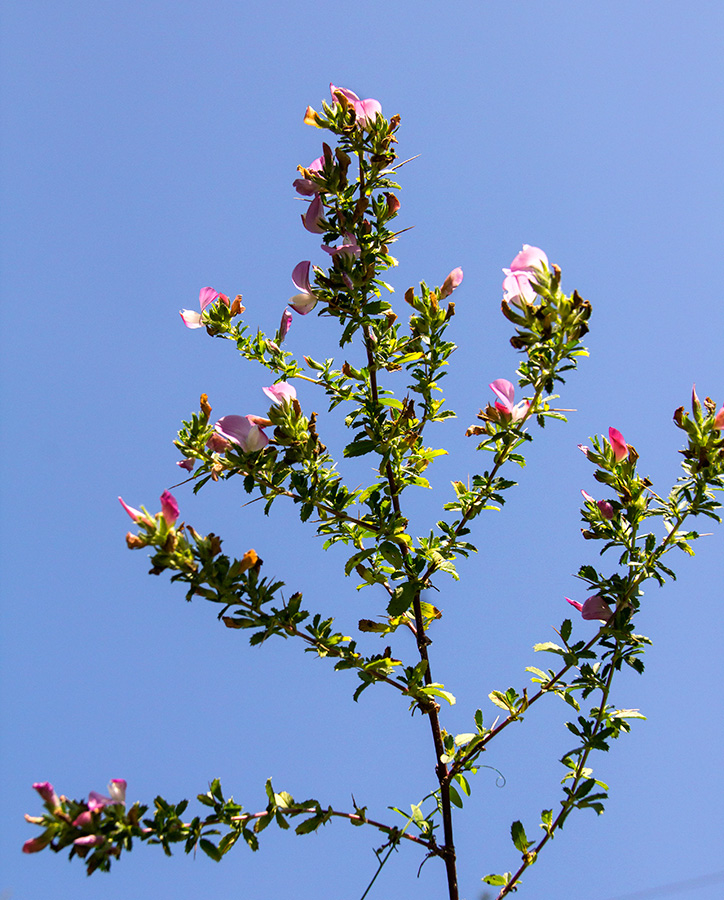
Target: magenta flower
244	431
618	445
47	792
281	393
506	394
305	186
169	510
207	296
285	325
116	789
593	608
314	217
136	514
524	268
364	110
348	247
719	419
305	301
603	505
187	464
451	282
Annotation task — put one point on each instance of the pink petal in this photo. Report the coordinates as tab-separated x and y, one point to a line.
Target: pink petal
242	430
98	801
596	608
187	464
578	606
169	508
314	215
451	282
517	288
35	845
117	789
349	95
719	419
191	319
89	840
365	110
529	258
47	792
85	818
316	165
505	391
135	514
303	303
285	325
606	509
281	392
300	276
618	444
207	295
587	497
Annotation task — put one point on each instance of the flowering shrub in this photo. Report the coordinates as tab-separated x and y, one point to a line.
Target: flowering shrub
349	192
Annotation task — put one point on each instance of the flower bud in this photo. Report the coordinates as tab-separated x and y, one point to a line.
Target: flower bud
618	445
451	282
169	508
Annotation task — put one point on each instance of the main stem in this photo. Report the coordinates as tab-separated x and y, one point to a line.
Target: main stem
447	851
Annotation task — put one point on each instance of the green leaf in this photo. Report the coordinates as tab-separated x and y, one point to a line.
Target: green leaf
210	849
548	647
565	631
497	880
402	598
359	448
455	797
520	840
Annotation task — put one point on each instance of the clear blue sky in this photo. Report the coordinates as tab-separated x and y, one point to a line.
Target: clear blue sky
149	150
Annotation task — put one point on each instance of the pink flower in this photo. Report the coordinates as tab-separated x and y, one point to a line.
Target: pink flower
305	186
618	445
136	514
314	216
187	464
719	419
207	296
34	845
451	282
244	431
524	268
90	840
47	792
593	608
285	325
305	301
116	789
281	393
349	247
603	505
506	394
393	204
216	443
364	110
169	510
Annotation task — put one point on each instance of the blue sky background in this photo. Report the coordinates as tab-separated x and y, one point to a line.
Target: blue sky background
149	150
